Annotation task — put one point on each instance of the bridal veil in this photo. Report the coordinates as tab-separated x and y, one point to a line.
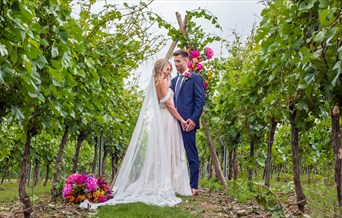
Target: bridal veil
145	172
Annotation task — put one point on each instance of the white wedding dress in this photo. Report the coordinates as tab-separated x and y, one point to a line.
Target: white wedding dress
154	168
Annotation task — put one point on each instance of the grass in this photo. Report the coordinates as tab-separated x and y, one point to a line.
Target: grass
322	200
141	210
9	191
320	193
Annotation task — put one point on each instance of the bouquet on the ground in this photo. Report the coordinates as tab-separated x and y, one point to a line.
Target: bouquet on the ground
196	64
79	187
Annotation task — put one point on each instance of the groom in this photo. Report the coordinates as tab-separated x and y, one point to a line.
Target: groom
189	101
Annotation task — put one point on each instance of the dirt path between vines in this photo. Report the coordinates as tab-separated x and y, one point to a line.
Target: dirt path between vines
218	204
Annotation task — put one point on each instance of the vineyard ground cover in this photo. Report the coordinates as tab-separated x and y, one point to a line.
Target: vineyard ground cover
237	201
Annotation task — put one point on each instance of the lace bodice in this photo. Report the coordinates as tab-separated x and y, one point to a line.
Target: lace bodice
165	98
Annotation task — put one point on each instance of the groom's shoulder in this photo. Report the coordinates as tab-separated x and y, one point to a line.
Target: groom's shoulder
196	75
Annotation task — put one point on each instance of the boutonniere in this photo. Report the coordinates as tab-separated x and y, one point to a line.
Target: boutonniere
187	75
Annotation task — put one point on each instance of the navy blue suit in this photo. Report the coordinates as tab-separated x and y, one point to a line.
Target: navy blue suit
190	104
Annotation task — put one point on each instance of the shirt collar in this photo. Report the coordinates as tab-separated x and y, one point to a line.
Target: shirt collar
186	71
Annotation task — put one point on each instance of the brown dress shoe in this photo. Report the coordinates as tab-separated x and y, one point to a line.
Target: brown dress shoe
194	192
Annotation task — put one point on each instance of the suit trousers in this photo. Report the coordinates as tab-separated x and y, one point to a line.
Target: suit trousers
189	139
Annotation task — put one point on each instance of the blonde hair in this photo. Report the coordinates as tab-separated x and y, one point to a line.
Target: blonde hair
158	69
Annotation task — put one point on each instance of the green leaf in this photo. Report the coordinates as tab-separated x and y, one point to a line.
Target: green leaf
2	81
17	113
309	77
64	36
42	62
323	15
306	5
54	51
58	76
34	43
331	33
28	65
3	50
35	75
302	106
26	13
337	67
14	55
320	36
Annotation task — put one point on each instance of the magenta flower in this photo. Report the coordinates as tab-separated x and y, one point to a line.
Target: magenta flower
91	184
189	64
102	199
195	54
199	66
209	52
81	179
66	190
72	178
205	84
101	182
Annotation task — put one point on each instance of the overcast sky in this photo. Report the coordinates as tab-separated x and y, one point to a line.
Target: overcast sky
238	15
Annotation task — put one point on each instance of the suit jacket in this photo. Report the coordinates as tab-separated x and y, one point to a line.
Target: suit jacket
190	100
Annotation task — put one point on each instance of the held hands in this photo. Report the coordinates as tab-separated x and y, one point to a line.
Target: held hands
188	125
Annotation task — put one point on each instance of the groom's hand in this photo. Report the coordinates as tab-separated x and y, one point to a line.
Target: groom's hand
191	125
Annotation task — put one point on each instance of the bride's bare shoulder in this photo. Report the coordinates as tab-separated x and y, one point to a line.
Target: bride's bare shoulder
162	87
163	83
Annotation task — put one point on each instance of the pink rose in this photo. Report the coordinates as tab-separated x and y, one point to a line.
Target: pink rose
81	179
72	178
189	64
199	66
186	74
209	52
205	84
102	199
66	190
195	54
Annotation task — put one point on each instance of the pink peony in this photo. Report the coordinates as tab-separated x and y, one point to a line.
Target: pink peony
195	54
66	190
102	199
209	52
91	184
205	84
72	178
199	66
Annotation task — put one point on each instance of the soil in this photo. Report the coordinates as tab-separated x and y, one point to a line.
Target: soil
207	204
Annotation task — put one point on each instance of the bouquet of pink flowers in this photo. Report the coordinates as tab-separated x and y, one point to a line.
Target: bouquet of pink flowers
196	64
79	187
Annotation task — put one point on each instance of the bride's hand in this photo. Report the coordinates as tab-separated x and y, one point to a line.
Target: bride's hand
184	124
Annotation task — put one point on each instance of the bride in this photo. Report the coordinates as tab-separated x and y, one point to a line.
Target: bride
154	168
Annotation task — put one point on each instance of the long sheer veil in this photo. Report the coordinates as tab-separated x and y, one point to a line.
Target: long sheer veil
145	172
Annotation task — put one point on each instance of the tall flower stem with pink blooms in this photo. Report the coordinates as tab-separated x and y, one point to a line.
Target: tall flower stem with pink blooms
200	63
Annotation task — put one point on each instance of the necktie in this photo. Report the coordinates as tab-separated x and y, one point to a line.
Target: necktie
178	85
